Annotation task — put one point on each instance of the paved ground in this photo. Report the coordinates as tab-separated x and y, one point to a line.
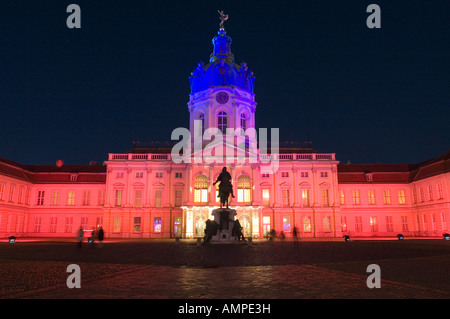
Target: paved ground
410	269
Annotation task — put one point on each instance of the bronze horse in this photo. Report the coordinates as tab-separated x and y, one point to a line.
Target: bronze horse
225	187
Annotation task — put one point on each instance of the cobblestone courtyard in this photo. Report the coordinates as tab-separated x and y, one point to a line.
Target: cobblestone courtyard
164	269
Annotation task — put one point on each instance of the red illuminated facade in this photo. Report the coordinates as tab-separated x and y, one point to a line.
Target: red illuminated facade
144	193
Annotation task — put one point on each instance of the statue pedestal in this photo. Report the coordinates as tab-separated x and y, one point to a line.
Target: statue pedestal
224	217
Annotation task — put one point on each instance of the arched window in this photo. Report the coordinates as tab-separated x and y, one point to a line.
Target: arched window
243	121
201	117
222	121
243	189
201	189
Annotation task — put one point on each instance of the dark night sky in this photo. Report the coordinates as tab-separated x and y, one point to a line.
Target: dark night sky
368	95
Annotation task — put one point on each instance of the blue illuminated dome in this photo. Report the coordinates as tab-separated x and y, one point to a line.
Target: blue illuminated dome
221	69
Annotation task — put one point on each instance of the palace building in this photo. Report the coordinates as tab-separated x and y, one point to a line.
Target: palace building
145	193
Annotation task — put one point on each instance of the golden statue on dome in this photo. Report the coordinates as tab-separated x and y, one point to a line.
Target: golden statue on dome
223	18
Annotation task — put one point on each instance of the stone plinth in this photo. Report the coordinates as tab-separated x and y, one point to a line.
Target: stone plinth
224	217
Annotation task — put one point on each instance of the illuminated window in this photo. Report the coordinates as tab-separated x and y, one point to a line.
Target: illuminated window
40	199
358	224
286	197
71	198
243	189
55	198
116	224
266	197
389	226
86	198
137	224
305	197
177	226
325	199
138	198
286	224
201	189
404	223
356	199
373	224
307	224
401	197
222	122
386	197
157	224
341	197
158	197
344	223
371	196
118	198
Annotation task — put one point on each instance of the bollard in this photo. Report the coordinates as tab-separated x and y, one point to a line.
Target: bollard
177	240
199	241
249	241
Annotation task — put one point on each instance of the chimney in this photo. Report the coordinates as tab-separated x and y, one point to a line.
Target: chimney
59	163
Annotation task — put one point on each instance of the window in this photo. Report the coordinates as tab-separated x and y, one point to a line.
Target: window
40	199
159	174
2	191
119	175
68	225
371	196
158	197
325	199
243	189
286	224
19	196
433	222
373	224
243	122
71	198
87	198
11	192
138	198
303	174
327	224
27	196
178	175
139	174
323	174
430	192
404	223
99	221
356	199
341	197
305	197
37	224
201	189
440	191
101	198
414	195
307	224
386	197
177	226
285	197
118	198
157	224
444	221
344	223
55	198
369	177
116	224
389	226
178	197
422	194
401	197
424	222
358	224
266	197
265	175
53	223
201	117
73	177
84	222
284	174
222	121
137	224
